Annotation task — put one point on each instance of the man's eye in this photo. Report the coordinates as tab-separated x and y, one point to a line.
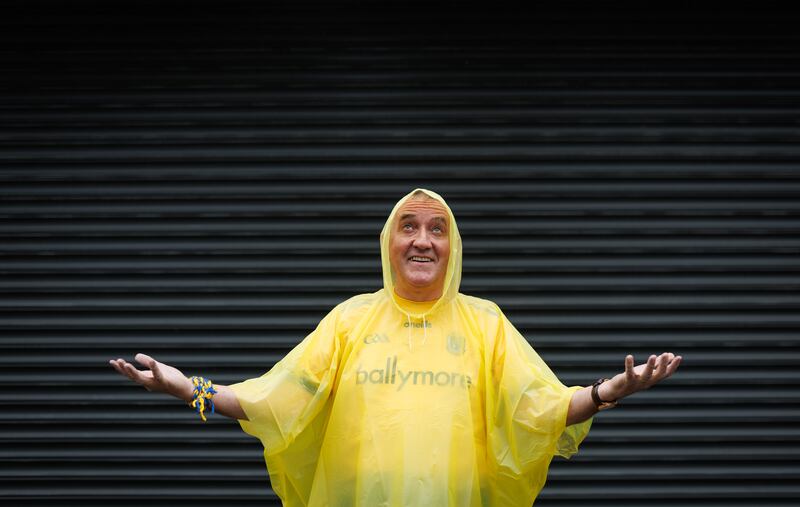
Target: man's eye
407	227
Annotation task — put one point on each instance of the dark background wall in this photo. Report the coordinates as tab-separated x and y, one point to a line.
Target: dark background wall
204	181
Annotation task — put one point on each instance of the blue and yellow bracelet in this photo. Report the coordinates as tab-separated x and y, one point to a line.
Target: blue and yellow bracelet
203	390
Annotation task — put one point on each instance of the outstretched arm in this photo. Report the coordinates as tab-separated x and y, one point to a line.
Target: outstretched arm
160	377
632	380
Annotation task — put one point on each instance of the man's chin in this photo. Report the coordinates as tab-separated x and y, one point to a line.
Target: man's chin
422	282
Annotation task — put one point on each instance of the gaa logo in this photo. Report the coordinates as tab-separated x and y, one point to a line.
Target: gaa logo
456	344
376	338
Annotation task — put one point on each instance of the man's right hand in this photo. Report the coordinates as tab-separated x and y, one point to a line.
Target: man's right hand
158	377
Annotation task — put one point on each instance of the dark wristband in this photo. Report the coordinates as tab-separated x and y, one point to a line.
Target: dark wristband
598	403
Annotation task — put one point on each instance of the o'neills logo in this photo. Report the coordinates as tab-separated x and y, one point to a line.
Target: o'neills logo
395	376
417	324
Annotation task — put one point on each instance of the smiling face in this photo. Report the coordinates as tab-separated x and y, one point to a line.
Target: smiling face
419	249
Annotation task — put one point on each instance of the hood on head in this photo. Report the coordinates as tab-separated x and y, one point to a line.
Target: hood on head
452	278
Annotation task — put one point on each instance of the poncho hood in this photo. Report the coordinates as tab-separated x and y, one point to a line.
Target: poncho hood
452	279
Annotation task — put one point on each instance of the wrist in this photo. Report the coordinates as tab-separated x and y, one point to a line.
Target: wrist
597	397
187	393
202	393
608	391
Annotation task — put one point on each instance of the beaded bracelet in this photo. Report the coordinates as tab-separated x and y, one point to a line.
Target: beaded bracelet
203	390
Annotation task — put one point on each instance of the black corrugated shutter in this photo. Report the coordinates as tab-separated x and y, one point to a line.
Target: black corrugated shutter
203	182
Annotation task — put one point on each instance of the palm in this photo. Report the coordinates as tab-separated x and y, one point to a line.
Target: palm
640	370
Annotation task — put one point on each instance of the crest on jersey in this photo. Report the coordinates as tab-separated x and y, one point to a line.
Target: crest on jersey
456	344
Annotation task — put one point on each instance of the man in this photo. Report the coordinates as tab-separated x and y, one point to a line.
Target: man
415	394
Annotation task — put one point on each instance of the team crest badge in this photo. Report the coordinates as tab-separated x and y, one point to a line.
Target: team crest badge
456	344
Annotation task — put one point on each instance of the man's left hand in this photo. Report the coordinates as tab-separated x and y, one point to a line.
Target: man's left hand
641	377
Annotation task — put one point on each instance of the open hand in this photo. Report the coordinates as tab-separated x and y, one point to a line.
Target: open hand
158	377
641	377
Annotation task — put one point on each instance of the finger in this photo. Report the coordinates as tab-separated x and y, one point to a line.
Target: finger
673	365
135	375
648	369
119	364
630	376
660	368
130	370
663	361
115	363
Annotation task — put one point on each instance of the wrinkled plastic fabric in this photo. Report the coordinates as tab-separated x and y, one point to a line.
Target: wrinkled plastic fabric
395	403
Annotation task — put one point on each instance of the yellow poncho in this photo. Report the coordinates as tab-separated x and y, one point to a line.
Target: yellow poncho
390	402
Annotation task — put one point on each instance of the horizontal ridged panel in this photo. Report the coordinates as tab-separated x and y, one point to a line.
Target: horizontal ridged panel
206	191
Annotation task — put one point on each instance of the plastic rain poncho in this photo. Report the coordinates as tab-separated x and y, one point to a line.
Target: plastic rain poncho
390	402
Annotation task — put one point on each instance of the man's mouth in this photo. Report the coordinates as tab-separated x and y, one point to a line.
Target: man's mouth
416	258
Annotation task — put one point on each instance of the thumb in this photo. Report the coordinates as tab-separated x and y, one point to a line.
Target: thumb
151	363
144	360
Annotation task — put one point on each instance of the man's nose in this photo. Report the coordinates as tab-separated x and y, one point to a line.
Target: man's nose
422	240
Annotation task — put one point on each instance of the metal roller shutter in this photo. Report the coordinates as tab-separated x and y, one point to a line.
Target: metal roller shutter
203	182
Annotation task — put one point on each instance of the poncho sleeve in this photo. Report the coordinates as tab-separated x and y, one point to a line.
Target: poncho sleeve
527	408
281	404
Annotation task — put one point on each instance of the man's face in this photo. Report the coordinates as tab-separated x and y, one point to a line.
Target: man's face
419	249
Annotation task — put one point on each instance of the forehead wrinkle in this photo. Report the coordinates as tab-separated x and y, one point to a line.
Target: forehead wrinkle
410	209
409	216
